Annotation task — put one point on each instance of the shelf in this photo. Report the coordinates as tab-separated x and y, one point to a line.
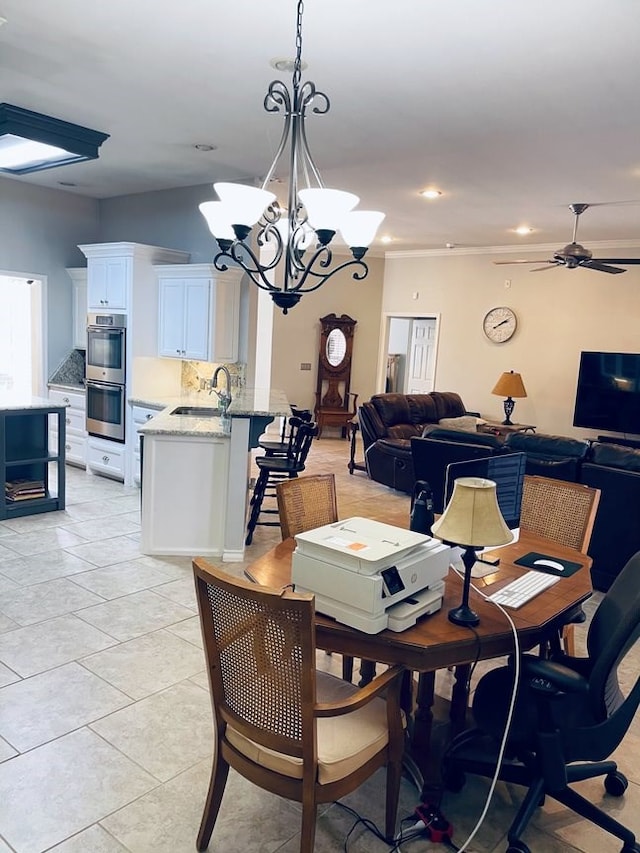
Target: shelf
24	454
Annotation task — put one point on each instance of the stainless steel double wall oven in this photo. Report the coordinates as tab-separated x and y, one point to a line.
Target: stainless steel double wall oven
106	375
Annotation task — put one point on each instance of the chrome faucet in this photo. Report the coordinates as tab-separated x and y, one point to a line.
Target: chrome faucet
224	396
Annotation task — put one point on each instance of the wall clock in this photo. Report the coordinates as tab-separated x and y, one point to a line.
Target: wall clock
499	324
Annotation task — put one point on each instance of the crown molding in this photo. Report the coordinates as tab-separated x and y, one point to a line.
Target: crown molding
548	248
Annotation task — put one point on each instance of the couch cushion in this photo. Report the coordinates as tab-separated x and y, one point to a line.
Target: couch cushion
392	408
543	446
448	404
485	439
615	456
422	409
399	431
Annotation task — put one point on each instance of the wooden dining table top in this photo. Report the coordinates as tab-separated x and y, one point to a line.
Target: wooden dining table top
434	642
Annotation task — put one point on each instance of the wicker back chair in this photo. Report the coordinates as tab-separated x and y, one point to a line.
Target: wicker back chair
306	503
564	512
295	732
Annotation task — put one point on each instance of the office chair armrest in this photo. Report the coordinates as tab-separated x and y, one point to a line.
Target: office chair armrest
391	677
552	678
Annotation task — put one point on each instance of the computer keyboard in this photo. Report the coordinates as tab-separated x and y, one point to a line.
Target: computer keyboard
523	589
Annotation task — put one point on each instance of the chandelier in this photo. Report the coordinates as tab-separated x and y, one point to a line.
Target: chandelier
301	234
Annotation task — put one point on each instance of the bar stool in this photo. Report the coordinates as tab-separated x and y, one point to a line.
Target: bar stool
283	447
274	469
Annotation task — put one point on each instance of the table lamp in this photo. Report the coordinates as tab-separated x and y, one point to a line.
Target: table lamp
509	385
471	520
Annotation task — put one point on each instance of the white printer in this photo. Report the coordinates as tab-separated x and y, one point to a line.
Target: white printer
370	575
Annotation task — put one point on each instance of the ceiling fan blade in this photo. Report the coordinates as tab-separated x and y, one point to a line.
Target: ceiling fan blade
600	266
552	264
617	260
521	261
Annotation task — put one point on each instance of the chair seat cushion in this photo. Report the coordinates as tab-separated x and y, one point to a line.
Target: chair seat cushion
344	743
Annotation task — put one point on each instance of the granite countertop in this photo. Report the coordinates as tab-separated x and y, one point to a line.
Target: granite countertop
11	400
68	386
246	402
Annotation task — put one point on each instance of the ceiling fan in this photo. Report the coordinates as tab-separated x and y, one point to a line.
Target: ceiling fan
574	255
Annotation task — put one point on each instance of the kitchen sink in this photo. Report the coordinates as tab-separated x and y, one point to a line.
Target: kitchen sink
198	411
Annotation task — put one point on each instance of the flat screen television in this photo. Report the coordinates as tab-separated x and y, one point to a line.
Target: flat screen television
608	393
506	471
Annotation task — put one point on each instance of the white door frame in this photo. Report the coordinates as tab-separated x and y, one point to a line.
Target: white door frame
385	323
39	331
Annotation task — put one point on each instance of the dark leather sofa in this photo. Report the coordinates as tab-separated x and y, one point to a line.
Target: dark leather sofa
389	421
615	470
549	455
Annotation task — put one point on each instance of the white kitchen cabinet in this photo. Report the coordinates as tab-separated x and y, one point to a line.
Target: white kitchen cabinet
78	276
140	415
184	495
107	281
76	425
199	312
106	457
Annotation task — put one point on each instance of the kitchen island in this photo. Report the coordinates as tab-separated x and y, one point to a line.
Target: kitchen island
25	458
195	472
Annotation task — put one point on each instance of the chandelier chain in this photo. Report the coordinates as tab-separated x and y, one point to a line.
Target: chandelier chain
297	68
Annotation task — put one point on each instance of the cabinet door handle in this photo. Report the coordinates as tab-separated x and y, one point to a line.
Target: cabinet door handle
65	400
67	420
67	447
148	417
105	459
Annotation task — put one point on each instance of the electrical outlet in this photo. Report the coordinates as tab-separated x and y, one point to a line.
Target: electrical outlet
306	365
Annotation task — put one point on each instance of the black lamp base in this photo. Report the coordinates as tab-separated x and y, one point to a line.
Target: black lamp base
464	615
509	405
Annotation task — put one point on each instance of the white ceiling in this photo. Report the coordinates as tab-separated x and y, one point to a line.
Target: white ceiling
513	108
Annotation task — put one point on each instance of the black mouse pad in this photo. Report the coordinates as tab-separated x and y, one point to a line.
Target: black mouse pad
528	560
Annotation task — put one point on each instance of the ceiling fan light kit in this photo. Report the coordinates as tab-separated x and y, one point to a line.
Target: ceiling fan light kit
316	209
574	255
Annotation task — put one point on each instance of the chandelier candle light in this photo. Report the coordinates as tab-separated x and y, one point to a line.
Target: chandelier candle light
509	385
301	234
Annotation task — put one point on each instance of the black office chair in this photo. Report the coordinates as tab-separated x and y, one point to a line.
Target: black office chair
568	710
274	469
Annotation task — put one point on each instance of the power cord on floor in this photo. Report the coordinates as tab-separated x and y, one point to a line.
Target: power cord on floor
512	704
430	825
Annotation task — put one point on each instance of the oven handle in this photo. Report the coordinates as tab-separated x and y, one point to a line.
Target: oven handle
94	384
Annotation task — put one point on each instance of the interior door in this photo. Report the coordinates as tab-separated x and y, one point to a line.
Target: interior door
422	356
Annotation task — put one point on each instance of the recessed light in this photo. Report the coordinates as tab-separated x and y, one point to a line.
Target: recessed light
386	239
523	229
450	245
284	63
430	193
204	146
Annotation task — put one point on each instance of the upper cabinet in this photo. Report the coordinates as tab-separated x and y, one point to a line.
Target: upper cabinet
107	283
199	310
78	276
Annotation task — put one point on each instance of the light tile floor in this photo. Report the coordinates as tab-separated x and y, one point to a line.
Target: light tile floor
105	722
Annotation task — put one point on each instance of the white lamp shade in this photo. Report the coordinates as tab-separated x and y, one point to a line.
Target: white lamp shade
244	205
326	208
217	220
358	228
472	517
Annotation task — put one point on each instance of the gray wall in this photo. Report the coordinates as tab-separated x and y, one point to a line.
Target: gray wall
168	218
40	230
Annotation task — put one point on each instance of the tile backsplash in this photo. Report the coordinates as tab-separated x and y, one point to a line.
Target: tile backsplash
194	371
